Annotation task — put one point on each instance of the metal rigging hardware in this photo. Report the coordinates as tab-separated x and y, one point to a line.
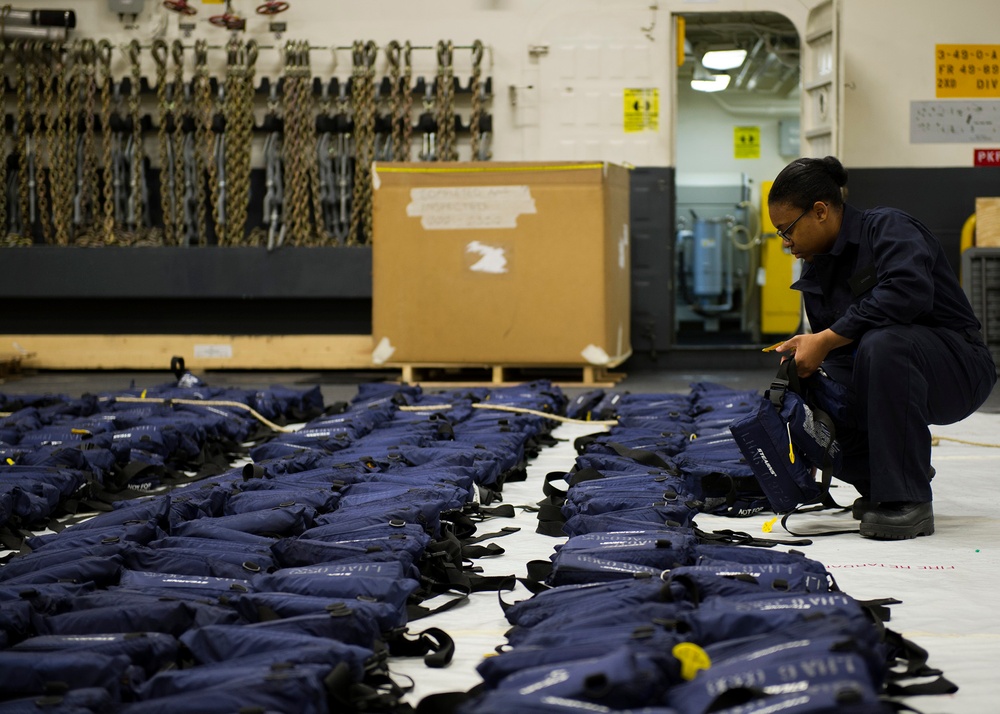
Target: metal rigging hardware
85	93
400	98
363	104
104	59
4	232
303	209
480	138
239	136
446	150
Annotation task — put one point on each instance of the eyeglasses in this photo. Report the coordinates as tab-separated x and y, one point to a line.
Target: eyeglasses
784	233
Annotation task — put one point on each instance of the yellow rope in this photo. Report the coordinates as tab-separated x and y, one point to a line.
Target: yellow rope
516	410
936	441
207	403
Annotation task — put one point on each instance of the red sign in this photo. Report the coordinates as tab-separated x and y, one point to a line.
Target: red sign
986	157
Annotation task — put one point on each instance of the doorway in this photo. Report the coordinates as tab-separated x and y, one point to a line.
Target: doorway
737	124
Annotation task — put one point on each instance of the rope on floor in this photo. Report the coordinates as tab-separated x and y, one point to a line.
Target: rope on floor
516	410
207	403
936	441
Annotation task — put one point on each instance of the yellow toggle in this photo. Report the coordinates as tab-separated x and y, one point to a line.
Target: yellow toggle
791	449
768	525
143	395
10	461
693	659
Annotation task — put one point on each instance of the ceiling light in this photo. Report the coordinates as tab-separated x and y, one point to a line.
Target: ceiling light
714	83
723	59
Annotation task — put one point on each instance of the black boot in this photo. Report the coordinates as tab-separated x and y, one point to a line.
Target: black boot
862	504
898	521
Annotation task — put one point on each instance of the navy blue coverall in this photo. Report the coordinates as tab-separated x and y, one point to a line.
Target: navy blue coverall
917	357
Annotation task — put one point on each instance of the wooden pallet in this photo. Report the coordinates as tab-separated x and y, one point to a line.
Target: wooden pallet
464	375
200	352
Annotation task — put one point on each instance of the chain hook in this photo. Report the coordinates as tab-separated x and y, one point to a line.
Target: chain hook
133	52
392	52
177	52
159	51
357	54
87	52
477	53
251	52
201	52
371	52
444	51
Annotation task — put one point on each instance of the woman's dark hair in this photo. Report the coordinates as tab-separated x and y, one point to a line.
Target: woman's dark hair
805	181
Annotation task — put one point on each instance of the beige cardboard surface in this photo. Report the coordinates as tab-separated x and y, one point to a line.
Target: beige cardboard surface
502	263
988	222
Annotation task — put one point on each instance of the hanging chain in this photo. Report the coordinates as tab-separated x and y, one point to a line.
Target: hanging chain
165	115
205	154
3	140
137	147
10	238
56	153
401	99
179	106
24	137
311	156
363	103
87	183
239	136
405	114
108	197
476	117
446	102
393	51
294	151
42	107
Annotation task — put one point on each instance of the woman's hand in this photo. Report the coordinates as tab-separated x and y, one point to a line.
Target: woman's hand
810	350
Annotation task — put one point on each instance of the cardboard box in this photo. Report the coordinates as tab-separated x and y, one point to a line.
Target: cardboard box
987	223
501	264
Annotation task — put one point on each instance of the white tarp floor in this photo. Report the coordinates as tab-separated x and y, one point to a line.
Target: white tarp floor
948	582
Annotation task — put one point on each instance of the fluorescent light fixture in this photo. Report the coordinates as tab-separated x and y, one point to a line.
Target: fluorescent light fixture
723	59
714	83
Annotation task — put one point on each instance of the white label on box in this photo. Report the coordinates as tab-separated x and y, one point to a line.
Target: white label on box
469	207
383	351
492	258
213	351
623	247
595	355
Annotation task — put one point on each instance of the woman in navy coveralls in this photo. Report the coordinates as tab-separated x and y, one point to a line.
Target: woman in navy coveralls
887	317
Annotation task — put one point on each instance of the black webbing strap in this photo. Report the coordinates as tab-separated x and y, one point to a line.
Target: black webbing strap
641	456
442	703
418	612
588	474
813	509
940	685
481	551
433	644
551	491
550	520
731	537
505	531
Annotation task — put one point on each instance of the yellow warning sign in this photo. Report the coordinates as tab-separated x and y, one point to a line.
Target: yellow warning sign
746	142
967	70
642	110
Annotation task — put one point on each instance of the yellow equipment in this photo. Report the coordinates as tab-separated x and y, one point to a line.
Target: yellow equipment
780	307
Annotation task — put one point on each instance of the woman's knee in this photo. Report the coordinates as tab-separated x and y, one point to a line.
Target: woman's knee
882	342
